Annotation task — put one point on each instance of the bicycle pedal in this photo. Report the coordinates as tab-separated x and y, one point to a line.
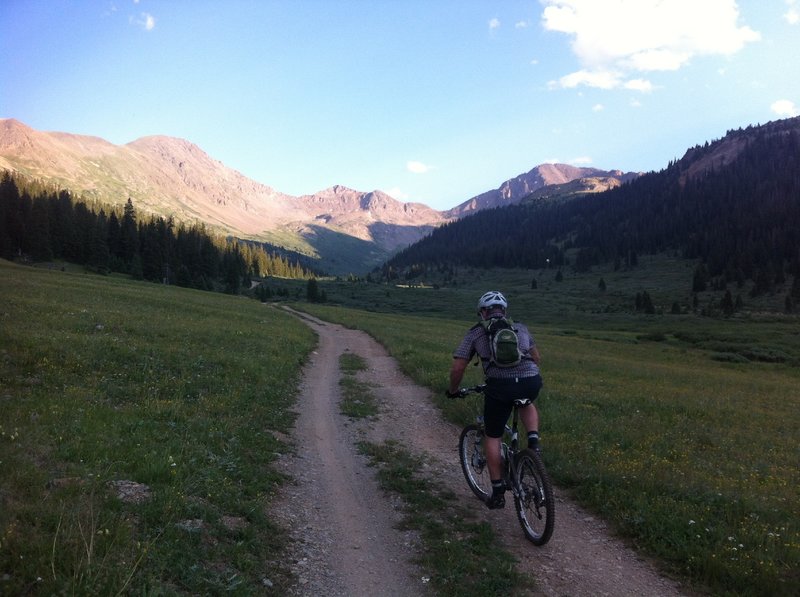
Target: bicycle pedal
496	502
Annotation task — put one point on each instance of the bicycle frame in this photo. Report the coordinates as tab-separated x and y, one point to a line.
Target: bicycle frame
510	449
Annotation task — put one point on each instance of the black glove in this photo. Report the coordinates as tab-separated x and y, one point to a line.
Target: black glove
456	394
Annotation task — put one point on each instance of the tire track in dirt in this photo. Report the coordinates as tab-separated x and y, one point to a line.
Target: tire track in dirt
348	544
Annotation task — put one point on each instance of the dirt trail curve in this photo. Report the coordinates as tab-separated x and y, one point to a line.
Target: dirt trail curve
346	543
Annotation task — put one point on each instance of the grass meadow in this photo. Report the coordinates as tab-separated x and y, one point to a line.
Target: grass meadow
175	397
689	453
679	430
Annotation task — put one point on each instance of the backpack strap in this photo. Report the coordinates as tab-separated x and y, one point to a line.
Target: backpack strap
482	324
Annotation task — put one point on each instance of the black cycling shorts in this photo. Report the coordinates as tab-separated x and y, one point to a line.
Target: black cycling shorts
499	397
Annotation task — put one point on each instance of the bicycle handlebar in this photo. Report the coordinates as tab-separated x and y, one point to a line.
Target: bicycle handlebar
464	392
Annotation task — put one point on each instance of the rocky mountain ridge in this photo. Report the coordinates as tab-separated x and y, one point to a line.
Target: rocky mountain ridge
514	190
173	177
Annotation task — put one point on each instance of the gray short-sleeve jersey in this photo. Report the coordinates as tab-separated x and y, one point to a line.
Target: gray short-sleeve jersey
476	341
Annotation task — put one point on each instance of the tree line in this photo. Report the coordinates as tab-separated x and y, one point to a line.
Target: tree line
739	220
45	224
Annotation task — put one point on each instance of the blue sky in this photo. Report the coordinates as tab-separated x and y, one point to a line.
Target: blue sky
431	101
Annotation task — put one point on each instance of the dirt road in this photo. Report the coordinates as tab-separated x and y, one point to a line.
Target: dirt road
343	524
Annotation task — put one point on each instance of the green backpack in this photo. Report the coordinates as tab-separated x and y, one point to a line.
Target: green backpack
503	341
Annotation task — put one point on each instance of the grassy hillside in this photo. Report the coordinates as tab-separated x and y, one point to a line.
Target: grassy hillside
679	431
174	398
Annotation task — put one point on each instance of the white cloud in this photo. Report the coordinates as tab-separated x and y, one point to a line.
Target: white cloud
785	108
581	161
639	85
145	20
598	108
417	167
522	24
494	24
396	193
792	15
601	79
623	37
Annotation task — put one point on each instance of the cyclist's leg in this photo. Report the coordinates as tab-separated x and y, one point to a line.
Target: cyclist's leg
495	415
493	462
529	417
528	414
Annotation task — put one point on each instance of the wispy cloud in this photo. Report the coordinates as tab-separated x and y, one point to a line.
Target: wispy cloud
417	167
601	79
785	108
396	193
581	160
792	14
616	39
145	20
598	108
642	85
494	24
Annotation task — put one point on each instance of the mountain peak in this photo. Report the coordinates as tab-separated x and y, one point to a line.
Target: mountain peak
516	189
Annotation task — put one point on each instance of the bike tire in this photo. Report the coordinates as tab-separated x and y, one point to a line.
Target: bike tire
533	497
473	461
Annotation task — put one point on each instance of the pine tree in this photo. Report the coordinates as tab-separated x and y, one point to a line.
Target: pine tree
312	290
727	304
39	241
129	234
795	290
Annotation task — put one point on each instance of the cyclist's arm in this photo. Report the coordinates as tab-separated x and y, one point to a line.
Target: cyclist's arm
457	373
535	354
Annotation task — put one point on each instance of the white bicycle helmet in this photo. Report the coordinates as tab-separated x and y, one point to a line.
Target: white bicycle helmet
493	298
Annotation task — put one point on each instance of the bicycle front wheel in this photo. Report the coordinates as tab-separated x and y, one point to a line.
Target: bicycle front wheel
473	461
533	497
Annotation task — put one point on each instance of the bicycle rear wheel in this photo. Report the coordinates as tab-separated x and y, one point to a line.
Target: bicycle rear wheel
473	461
533	497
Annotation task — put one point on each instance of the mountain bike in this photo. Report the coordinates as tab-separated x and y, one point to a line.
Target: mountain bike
523	473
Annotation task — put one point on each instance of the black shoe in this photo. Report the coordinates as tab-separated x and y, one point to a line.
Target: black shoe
496	501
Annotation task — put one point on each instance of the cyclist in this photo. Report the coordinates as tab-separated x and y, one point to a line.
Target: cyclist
503	386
